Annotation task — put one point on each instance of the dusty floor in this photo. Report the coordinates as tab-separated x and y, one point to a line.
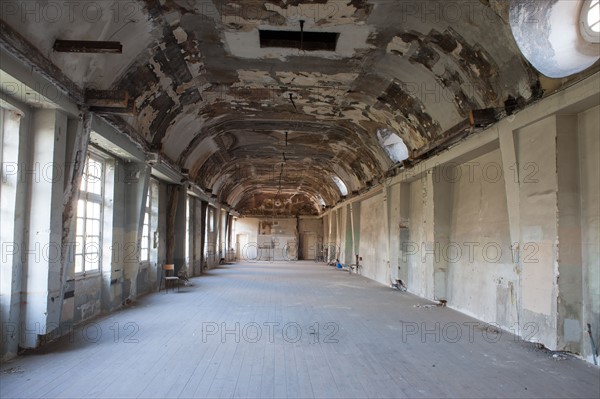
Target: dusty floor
292	330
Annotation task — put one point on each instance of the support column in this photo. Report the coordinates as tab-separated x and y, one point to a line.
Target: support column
198	234
570	324
443	203
41	296
511	183
77	148
137	181
510	169
404	234
538	210
386	231
13	192
179	224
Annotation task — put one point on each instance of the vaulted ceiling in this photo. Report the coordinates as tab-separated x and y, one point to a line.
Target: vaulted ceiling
266	128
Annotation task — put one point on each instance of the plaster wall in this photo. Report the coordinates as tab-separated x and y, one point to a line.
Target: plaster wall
420	249
536	156
373	246
481	277
268	239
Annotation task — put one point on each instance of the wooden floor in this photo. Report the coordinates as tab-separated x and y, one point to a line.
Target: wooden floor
292	330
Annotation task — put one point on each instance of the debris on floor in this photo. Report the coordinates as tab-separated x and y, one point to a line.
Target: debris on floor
399	285
12	370
441	304
128	302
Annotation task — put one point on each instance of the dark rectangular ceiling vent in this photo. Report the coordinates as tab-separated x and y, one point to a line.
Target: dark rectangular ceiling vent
308	41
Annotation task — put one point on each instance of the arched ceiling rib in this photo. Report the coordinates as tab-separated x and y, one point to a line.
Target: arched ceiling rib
211	99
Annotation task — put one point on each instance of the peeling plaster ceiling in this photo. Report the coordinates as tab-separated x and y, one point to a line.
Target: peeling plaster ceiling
212	101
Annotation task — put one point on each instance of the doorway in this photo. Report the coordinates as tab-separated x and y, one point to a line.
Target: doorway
309	245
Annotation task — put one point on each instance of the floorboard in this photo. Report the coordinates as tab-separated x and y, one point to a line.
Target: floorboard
295	330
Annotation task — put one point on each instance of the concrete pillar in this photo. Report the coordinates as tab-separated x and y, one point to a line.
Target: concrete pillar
14	152
404	232
421	251
443	194
386	231
538	185
113	242
137	180
570	324
510	170
394	230
429	251
349	237
339	237
222	233
179	229
196	269
163	207
41	298
356	223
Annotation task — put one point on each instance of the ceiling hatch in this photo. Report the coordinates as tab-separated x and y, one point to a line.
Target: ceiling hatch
308	41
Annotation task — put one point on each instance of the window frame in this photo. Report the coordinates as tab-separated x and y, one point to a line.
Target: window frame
211	219
94	198
586	30
146	240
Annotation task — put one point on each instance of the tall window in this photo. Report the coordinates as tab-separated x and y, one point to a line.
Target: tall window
146	244
150	218
89	216
211	220
209	245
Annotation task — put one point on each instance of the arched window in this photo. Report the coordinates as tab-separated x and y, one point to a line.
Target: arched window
393	145
589	21
340	185
559	38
